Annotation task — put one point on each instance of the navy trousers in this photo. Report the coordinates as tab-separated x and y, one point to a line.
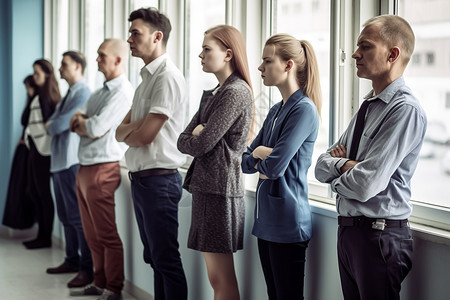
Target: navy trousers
283	266
77	249
373	263
156	201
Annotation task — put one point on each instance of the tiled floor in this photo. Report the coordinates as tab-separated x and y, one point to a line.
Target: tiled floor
23	276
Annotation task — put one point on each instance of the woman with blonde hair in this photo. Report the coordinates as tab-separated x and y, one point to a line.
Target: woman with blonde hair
282	153
216	138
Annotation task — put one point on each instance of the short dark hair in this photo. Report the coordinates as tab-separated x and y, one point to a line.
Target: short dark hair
77	57
156	20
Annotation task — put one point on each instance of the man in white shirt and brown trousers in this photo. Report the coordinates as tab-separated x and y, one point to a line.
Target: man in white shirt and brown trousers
99	173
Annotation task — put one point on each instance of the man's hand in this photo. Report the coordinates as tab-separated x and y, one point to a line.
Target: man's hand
198	129
339	151
261	152
74	122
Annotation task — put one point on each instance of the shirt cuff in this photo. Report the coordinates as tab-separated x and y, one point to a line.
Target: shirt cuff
338	165
252	161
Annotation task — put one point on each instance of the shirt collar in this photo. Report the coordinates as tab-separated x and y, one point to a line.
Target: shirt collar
113	83
388	93
77	84
151	67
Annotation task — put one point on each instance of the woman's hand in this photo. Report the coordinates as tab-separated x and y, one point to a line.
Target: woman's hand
198	129
261	152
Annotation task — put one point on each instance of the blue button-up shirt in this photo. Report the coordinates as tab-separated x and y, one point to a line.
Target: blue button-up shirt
379	186
65	143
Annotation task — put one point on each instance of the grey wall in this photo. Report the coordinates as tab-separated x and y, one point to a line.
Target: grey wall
427	281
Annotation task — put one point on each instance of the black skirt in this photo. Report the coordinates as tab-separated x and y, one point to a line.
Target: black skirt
19	208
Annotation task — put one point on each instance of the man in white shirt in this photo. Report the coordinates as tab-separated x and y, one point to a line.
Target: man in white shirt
151	129
99	173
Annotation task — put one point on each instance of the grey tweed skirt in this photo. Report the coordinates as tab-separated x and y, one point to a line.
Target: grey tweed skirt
217	223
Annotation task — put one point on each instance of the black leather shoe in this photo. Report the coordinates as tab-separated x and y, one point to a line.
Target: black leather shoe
37	244
61	269
82	279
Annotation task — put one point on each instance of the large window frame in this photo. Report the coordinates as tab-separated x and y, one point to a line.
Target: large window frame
255	20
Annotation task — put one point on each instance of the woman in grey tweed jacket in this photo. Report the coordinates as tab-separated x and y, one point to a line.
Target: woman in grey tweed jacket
216	137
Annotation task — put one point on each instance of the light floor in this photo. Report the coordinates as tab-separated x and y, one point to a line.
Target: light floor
23	276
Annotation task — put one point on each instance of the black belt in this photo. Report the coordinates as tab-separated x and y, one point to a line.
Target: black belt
379	224
150	172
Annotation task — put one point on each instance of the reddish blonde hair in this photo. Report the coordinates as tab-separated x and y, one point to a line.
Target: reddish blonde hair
230	38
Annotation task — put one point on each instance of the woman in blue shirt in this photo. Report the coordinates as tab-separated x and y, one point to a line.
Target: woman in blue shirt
282	154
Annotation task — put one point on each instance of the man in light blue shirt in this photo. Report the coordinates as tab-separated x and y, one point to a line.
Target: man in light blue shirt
371	165
64	167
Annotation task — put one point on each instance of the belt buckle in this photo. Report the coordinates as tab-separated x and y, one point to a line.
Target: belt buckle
379	224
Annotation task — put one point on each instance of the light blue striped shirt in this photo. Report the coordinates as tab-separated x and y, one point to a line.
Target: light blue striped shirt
105	110
64	142
379	186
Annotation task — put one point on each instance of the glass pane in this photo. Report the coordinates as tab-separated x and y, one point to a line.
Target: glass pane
428	75
62	40
143	3
310	20
95	34
200	16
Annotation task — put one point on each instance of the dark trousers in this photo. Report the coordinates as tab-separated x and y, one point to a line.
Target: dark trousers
156	201
69	215
284	268
373	263
39	191
96	185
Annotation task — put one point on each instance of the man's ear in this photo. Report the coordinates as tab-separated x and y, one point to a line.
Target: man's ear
158	36
394	54
118	60
289	65
229	55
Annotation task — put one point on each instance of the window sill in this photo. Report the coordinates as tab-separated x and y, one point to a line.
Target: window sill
325	207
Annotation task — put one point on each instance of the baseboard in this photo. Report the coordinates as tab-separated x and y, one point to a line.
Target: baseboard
136	291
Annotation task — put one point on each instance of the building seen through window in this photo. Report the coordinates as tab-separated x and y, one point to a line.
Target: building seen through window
429	81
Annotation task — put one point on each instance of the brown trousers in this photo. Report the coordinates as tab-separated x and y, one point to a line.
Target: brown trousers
96	185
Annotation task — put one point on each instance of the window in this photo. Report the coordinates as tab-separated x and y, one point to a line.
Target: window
95	34
430	58
312	25
416	59
430	86
200	16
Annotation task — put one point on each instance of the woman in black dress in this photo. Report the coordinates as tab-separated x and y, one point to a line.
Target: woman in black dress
19	212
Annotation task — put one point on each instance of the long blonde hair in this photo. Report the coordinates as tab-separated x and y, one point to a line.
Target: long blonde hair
302	53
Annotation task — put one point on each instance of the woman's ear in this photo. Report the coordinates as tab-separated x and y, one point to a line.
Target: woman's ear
229	55
289	65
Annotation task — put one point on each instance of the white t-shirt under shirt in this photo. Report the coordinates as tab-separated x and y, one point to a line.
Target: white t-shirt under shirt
162	91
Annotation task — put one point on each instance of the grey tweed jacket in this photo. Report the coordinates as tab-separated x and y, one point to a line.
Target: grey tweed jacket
217	151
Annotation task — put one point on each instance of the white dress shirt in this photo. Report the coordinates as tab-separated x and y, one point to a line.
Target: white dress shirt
162	91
